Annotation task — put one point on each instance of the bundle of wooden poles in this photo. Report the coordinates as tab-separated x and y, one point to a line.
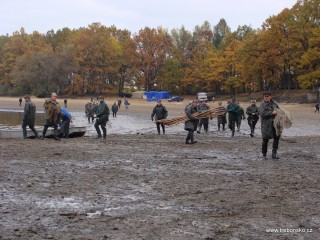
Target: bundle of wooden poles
198	115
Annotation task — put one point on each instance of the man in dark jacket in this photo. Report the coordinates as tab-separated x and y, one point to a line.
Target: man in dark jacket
268	112
221	117
114	109
29	116
240	116
253	116
102	117
232	110
159	112
191	124
52	116
203	106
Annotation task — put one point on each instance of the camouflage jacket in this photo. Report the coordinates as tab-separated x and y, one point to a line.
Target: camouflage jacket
52	110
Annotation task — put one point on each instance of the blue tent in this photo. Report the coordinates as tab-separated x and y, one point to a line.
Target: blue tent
153	96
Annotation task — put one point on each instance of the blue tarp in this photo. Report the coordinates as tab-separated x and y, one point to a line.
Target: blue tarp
153	96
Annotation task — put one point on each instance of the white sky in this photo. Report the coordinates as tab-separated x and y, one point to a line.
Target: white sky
44	15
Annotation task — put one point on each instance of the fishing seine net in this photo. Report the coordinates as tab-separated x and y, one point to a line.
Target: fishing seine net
282	120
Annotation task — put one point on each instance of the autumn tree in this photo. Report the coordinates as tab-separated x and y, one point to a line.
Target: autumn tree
153	47
97	53
220	31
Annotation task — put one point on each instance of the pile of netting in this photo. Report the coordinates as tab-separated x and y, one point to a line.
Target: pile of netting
282	120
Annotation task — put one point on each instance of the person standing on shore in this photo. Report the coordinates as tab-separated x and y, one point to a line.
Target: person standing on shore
119	103
126	103
240	116
114	109
191	124
20	101
317	107
268	112
253	116
52	116
221	118
102	117
233	110
159	112
29	116
203	106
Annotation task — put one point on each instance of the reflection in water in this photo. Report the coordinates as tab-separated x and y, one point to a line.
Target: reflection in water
13	118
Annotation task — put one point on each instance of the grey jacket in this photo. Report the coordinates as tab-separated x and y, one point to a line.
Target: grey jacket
191	124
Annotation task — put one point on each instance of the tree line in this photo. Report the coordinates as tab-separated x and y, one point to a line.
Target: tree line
284	53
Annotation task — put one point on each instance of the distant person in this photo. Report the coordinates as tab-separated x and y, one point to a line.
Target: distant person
203	106
126	103
90	111
240	116
159	112
65	103
114	109
268	112
233	110
191	124
20	101
253	116
52	116
65	122
102	117
317	107
29	116
119	103
86	108
221	117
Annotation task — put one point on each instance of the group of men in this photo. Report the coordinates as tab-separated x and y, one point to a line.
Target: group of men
55	117
266	110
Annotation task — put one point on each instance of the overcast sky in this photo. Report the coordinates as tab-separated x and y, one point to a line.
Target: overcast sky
44	15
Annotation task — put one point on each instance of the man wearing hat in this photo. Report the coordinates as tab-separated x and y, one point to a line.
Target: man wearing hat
52	116
268	112
159	112
253	116
29	116
102	117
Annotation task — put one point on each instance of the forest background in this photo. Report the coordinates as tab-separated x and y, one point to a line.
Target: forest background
283	54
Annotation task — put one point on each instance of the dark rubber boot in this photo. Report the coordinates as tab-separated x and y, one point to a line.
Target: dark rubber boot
274	155
104	133
24	132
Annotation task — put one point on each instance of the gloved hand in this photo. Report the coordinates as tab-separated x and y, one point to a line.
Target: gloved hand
152	119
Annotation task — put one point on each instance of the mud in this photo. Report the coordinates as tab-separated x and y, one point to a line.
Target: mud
141	185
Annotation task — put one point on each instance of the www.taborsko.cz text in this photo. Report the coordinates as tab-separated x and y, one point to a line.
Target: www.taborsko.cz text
289	230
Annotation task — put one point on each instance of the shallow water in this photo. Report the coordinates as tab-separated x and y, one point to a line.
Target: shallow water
125	123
